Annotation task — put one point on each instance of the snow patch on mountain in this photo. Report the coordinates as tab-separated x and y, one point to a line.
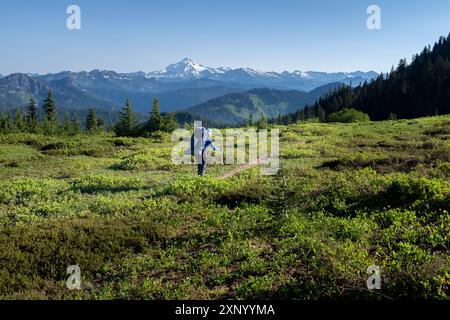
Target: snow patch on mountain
190	69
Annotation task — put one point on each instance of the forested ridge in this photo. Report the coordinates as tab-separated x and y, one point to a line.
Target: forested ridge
416	89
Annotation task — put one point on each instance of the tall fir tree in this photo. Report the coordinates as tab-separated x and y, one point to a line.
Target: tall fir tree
67	126
91	121
169	123
156	121
9	126
3	126
19	121
50	108
50	114
100	125
76	128
32	120
127	122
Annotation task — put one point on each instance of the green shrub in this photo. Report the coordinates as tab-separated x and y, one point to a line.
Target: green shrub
101	183
79	145
190	188
15	154
145	160
35	254
26	190
348	116
160	136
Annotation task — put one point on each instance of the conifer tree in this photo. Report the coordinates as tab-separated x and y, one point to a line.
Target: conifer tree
19	122
8	122
91	121
100	124
156	121
50	113
3	123
67	127
169	123
76	126
50	108
32	121
126	124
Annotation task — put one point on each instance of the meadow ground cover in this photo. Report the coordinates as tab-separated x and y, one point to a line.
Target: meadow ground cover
347	196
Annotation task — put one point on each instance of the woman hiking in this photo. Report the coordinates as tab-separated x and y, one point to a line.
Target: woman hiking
200	143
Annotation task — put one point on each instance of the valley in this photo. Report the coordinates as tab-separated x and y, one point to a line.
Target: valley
178	87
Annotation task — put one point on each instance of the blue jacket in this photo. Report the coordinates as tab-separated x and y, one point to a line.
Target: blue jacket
201	141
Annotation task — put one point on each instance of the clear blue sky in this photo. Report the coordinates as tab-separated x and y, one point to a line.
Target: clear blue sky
138	35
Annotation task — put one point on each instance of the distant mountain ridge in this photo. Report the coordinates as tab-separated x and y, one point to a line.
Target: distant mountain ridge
17	89
300	80
235	108
179	86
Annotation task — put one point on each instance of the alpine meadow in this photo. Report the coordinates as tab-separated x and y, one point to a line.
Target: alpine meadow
94	207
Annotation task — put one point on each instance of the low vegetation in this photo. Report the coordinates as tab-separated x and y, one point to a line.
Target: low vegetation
348	115
347	196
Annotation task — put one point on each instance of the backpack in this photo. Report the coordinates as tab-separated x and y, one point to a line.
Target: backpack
198	140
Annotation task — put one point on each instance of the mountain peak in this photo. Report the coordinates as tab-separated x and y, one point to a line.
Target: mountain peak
21	82
184	69
189	69
189	61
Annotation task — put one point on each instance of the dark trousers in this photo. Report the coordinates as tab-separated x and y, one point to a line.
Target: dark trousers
201	169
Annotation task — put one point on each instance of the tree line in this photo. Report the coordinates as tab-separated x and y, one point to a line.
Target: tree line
31	121
157	122
44	120
418	89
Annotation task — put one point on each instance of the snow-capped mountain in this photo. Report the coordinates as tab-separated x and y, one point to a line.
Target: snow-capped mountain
178	86
180	75
185	69
304	80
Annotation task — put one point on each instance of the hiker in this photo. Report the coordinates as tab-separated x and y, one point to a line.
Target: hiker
200	142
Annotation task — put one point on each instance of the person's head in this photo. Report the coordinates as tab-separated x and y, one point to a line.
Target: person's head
203	132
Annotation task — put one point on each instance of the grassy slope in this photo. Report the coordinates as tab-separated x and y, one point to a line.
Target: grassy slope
348	196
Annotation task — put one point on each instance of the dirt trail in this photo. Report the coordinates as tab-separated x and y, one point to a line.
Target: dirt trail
243	168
